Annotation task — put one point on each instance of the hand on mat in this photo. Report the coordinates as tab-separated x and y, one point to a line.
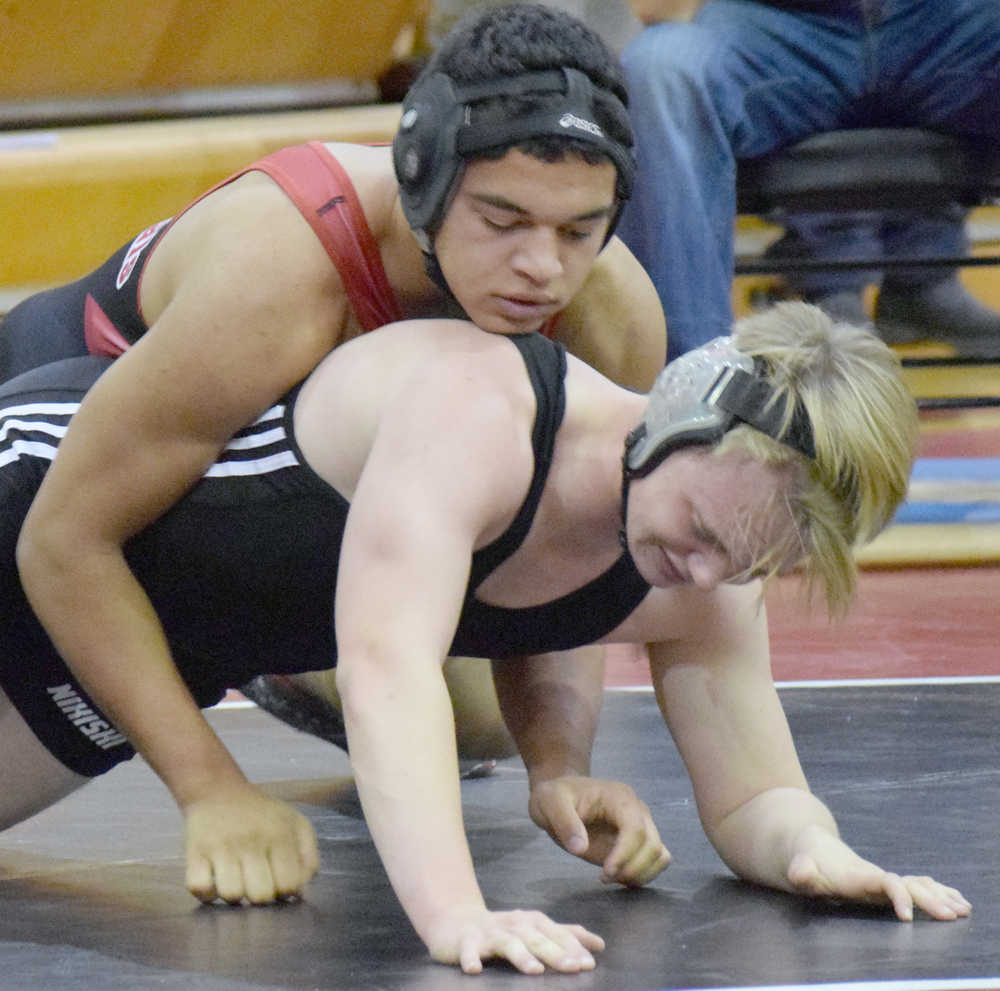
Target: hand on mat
242	844
603	822
824	865
530	941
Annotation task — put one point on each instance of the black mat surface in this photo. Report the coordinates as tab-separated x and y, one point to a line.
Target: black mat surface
92	896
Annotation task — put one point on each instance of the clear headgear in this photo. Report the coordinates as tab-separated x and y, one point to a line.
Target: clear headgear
701	395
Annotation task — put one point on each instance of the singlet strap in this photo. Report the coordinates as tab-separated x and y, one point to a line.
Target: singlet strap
545	362
322	190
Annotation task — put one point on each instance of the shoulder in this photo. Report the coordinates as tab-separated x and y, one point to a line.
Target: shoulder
457	366
445	378
222	235
453	420
232	217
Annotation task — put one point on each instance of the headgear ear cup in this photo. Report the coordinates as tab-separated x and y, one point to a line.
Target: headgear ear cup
423	151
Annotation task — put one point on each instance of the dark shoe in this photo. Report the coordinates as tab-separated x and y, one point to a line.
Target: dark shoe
285	699
943	311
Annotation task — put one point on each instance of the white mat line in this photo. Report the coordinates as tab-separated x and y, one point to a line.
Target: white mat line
958	984
972	679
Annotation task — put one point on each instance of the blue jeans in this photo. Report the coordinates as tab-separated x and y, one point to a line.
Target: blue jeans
747	77
870	234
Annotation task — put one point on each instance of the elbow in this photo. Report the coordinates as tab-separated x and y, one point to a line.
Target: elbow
362	681
373	679
53	550
36	556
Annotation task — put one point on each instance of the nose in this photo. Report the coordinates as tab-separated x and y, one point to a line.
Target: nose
537	256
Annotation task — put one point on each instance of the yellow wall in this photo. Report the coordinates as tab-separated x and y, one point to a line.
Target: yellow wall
107	47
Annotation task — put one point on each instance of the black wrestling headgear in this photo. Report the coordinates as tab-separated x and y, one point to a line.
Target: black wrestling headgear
436	134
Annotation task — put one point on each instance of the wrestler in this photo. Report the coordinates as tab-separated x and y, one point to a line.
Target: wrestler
497	201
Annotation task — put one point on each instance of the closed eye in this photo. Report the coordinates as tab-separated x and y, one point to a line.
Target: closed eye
505	226
704	535
573	234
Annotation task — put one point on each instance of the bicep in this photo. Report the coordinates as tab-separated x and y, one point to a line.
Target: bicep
431	487
719	701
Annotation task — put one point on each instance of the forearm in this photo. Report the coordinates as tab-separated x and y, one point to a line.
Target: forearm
758	840
104	626
401	735
551	704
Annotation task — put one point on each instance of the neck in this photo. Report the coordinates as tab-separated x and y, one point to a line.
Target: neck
417	293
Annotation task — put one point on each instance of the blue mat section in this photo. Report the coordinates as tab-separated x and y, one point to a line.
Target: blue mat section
948	512
957	469
952	490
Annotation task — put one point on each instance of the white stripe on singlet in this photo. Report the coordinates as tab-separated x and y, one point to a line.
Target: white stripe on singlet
27	418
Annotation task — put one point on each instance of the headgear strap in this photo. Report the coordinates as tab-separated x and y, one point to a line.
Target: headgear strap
751	399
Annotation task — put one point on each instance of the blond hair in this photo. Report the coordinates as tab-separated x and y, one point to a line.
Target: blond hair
864	422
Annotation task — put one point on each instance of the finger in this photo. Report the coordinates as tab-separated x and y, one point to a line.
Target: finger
537	942
565	825
513	950
627	845
636	847
952	893
635	854
200	880
468	957
803	875
647	859
258	880
899	895
561	951
554	945
650	861
287	870
937	900
308	847
228	877
294	863
591	941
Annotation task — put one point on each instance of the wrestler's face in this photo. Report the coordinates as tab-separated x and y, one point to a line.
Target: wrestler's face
521	235
705	519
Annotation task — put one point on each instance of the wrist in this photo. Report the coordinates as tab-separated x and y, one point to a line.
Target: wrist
434	924
209	777
545	772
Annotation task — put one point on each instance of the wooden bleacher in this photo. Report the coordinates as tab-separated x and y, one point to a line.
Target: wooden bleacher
115	114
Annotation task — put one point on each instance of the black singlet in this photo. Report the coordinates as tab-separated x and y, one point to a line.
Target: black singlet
242	570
